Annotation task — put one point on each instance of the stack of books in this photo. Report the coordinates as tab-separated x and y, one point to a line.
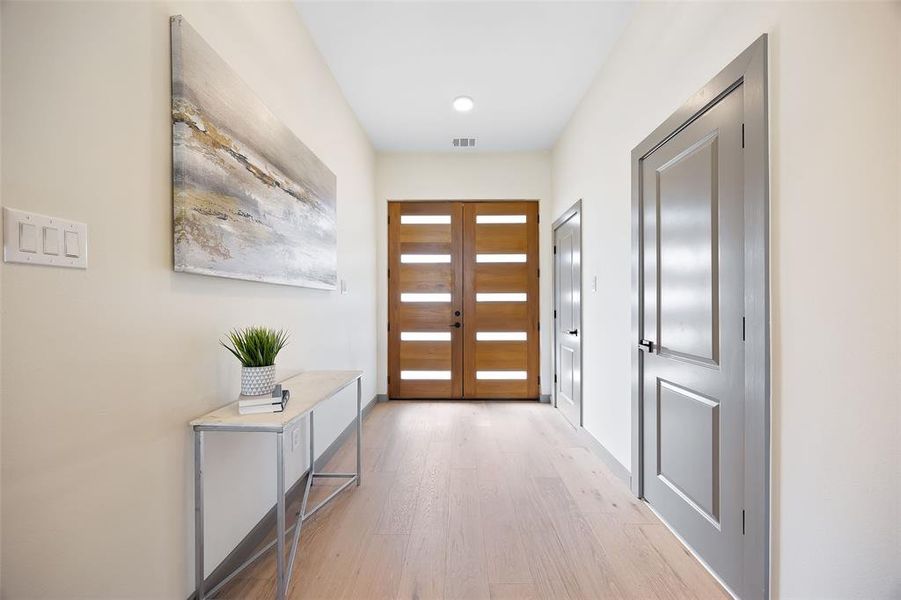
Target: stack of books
254	405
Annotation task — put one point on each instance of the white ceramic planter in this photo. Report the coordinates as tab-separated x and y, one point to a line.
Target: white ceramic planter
257	381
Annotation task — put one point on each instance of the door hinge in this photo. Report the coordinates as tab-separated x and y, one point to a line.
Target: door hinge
389	273
538	218
555	249
743	329
742	135
555	314
555	378
742	521
389	325
389	219
539	380
539	272
539	325
389	378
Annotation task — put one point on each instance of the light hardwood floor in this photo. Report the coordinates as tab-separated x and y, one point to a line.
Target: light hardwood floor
472	500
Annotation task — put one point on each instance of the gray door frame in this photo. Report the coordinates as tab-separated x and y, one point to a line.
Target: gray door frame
575	209
748	71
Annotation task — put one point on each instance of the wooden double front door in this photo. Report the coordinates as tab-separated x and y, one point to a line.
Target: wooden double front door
463	300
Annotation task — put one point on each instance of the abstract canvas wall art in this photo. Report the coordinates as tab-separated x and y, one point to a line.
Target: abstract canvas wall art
250	200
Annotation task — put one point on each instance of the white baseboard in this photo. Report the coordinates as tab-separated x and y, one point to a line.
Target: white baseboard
616	467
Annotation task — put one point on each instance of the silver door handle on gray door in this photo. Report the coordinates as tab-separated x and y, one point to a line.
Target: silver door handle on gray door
573	332
646	346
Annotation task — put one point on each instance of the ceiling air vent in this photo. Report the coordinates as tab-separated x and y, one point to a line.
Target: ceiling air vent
464	142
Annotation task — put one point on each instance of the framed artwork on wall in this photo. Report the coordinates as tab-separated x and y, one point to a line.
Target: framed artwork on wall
250	200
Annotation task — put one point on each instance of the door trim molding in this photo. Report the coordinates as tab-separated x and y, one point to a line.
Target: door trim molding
575	209
567	214
748	70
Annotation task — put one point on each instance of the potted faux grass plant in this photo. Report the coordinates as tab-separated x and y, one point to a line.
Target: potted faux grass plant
256	348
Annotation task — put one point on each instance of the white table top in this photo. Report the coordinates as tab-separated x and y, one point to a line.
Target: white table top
307	390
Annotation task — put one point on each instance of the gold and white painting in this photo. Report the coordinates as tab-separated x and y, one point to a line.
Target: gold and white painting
250	200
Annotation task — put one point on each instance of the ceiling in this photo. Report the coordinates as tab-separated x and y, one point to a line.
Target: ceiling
526	65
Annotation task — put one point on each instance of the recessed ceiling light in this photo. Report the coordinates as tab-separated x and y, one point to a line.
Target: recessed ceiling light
463	104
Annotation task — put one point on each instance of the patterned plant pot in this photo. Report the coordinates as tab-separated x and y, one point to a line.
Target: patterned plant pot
257	381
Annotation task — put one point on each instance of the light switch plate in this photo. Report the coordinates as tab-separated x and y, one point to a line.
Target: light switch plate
34	239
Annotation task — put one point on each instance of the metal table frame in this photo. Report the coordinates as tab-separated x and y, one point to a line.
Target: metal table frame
283	572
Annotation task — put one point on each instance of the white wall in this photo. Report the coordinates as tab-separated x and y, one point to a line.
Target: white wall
1	307
478	176
105	367
834	118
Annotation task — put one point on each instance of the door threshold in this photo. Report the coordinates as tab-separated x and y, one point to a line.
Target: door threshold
464	399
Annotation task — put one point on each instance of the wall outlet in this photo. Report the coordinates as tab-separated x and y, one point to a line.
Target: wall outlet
295	438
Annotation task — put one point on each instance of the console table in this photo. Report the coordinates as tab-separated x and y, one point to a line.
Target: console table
308	391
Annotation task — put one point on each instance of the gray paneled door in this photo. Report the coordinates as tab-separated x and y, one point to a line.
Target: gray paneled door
692	305
568	315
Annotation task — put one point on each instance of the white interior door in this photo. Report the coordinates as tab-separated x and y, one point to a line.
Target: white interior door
568	317
693	322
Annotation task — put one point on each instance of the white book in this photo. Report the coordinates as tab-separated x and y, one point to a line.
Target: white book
258	400
257	410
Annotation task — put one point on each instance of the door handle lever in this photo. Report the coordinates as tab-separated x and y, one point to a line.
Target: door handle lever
457	325
573	332
646	346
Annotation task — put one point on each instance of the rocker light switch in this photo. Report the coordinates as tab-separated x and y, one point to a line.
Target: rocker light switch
72	249
28	237
35	239
51	241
